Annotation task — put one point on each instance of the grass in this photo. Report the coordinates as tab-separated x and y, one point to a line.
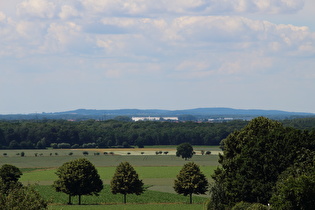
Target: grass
156	171
108	172
108	160
176	206
106	197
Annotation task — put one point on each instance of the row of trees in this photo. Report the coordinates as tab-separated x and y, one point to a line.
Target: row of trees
80	177
265	163
90	133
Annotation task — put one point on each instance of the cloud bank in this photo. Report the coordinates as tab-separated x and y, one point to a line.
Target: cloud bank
193	41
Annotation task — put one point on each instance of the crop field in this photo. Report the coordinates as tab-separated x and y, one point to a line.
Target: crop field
157	172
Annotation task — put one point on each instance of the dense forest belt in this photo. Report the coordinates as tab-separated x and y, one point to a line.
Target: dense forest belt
111	133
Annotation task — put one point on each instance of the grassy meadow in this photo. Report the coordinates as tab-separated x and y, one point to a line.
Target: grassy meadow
157	172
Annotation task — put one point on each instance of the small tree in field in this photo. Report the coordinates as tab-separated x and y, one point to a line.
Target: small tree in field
190	180
78	177
126	181
185	150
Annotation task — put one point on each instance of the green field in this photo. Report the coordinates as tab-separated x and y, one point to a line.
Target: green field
157	172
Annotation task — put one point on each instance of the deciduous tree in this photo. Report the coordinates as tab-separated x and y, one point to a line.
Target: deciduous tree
126	181
185	150
295	188
253	158
191	180
9	176
78	177
23	198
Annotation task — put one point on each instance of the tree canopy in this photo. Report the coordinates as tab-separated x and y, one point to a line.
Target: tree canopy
190	180
126	181
252	160
13	195
91	133
295	188
10	173
185	150
78	177
9	176
23	198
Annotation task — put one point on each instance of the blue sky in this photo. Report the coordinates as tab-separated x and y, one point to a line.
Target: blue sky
58	55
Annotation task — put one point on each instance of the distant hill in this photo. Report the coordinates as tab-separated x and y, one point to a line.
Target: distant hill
199	113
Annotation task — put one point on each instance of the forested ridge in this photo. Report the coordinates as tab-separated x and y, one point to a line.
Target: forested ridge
64	134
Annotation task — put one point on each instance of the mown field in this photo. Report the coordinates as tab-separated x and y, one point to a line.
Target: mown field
157	172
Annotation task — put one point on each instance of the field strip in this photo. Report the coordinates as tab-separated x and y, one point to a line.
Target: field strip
141	151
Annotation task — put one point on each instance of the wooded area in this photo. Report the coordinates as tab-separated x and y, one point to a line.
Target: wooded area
102	134
111	133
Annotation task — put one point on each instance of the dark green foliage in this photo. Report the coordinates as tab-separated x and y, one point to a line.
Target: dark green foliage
9	176
78	177
10	173
295	188
22	198
126	181
13	195
249	206
64	134
190	180
254	157
185	150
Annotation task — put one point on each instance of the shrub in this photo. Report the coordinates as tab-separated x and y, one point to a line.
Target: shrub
54	145
22	154
85	153
63	145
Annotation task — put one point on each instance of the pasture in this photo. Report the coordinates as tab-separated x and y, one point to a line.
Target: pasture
157	172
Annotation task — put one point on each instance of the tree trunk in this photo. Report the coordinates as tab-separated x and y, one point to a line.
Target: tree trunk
125	198
190	198
69	202
79	199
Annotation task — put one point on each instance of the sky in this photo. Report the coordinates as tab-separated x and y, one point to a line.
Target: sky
58	55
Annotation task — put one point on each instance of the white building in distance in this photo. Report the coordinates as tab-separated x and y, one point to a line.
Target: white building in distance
154	118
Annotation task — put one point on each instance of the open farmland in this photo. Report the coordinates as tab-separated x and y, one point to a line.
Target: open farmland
157	172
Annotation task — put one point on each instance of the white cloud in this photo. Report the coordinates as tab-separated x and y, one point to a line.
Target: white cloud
2	17
193	7
36	8
189	47
68	11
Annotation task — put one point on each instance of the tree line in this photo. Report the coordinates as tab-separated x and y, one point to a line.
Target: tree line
88	134
111	133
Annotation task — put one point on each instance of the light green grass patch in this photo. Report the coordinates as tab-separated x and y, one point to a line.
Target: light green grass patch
107	173
130	207
106	197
